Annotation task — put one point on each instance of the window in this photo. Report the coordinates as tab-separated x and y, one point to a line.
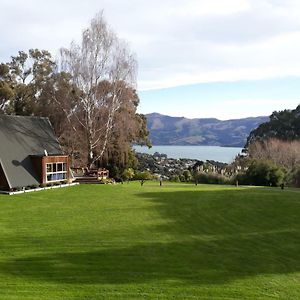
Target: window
56	171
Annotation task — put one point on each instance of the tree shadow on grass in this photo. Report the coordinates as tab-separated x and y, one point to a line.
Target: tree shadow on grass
215	242
225	212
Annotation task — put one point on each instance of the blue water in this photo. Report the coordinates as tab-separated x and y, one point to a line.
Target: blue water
222	154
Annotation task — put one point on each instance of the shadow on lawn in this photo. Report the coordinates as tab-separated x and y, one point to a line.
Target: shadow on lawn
220	236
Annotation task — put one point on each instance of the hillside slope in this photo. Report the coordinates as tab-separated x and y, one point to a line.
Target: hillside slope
283	125
166	130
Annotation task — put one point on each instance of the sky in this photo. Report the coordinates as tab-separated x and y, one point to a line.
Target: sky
197	58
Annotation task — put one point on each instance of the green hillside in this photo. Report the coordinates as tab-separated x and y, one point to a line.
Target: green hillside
132	242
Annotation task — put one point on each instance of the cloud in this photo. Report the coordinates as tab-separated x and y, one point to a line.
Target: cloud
276	57
177	42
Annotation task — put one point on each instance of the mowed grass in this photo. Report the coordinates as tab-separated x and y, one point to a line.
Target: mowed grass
131	242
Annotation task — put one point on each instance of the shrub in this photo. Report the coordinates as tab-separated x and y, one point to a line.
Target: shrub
212	178
293	177
175	178
128	174
241	178
187	176
34	186
107	181
264	173
146	175
115	172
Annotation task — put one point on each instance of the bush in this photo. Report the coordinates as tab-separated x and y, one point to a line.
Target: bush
146	175
293	178
241	178
128	174
175	178
212	178
115	172
264	173
187	176
34	186
107	181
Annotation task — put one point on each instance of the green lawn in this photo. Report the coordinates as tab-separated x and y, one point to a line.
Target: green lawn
150	242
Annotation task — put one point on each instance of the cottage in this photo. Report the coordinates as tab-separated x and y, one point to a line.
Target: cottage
30	154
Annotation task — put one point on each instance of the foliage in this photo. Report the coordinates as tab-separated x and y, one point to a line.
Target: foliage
90	98
115	173
23	79
187	176
103	69
284	125
175	178
128	174
6	90
282	153
263	173
293	177
274	143
146	175
107	181
211	178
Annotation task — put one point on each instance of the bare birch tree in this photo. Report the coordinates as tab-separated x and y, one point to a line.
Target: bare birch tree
101	67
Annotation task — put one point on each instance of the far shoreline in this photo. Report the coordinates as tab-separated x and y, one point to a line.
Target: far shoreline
168	145
216	153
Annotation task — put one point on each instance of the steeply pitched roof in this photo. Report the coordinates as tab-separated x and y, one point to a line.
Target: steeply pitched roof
21	137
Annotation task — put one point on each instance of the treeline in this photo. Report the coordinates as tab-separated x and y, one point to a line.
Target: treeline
271	162
273	151
89	95
283	125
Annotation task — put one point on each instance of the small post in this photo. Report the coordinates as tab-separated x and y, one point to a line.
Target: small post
237	183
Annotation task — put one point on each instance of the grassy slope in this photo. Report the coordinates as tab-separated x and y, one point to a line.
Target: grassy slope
132	242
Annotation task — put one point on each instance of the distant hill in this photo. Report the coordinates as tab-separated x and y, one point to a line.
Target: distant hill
166	130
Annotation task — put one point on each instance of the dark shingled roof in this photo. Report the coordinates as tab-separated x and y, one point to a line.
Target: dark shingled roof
21	137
